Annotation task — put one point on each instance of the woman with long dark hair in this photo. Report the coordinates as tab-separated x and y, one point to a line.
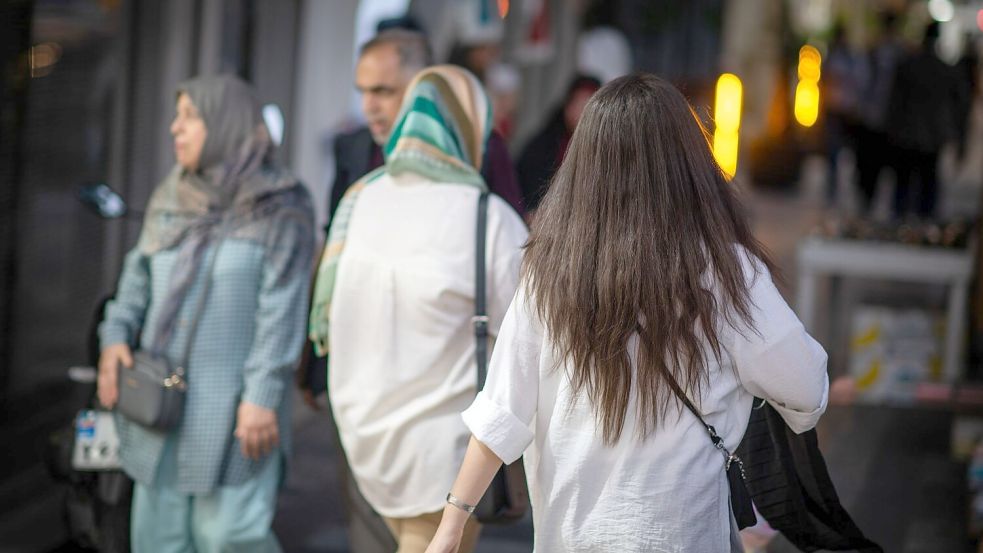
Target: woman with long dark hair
642	283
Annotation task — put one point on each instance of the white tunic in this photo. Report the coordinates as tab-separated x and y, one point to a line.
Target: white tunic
402	346
668	492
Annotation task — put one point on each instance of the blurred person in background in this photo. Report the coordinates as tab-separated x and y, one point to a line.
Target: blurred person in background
841	91
504	87
922	117
874	151
394	303
386	65
603	49
642	288
545	151
210	484
967	70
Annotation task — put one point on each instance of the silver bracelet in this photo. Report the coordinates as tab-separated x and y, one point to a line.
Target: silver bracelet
460	504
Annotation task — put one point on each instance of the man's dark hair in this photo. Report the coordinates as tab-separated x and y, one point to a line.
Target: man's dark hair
412	46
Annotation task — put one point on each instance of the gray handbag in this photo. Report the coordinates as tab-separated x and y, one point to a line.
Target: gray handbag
152	392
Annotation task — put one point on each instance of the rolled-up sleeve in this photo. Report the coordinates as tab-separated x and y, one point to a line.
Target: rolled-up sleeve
778	360
502	414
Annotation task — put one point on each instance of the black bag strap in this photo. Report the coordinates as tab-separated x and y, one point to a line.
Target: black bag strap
718	442
480	319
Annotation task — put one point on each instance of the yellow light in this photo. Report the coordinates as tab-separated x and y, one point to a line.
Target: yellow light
810	52
807	103
727	118
810	62
725	151
727	110
809	70
807	91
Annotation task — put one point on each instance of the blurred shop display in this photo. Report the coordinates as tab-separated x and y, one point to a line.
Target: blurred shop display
953	234
892	351
838	257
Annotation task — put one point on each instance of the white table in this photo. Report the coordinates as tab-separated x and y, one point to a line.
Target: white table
819	257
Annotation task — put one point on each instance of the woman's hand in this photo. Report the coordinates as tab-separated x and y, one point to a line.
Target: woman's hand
109	362
445	540
256	429
450	532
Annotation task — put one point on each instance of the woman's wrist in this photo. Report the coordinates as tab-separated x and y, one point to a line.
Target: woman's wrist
454	519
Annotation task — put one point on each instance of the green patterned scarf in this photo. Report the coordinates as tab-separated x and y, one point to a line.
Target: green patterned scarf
441	133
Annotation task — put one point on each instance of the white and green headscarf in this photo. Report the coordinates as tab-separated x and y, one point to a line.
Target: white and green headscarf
440	134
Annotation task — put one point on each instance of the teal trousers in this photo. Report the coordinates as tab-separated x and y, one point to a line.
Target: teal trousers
230	519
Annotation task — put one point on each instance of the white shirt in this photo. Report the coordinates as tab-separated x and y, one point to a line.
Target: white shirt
669	492
402	364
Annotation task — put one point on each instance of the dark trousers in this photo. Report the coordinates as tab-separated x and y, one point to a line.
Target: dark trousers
874	153
917	182
367	532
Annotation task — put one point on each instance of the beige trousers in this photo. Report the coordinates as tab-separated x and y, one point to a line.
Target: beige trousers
414	534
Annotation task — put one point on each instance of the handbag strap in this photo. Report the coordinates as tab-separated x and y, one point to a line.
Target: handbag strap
480	319
182	369
718	442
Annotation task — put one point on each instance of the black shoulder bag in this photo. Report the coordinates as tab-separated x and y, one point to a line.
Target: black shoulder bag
507	497
791	486
785	476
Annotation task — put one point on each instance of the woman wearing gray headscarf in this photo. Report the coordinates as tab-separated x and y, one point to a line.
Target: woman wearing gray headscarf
210	483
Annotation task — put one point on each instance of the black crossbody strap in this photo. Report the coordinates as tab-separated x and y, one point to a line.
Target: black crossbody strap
718	442
480	319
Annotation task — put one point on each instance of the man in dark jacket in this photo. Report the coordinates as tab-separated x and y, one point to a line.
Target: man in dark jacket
386	65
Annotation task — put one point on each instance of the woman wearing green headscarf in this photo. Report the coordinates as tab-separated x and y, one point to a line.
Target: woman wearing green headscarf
394	301
227	214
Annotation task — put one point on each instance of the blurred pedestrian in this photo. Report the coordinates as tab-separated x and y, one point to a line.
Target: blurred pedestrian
219	279
841	93
874	151
394	302
544	153
968	71
922	117
386	65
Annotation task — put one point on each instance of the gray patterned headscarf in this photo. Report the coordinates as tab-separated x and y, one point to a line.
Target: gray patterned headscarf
237	192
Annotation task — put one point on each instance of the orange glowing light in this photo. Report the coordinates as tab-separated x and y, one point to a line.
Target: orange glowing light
503	8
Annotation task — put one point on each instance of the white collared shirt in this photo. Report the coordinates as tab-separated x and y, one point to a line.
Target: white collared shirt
668	492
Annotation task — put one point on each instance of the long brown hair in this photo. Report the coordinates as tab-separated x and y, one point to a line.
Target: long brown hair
638	234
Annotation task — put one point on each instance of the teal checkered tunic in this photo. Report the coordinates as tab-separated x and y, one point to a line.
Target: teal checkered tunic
249	339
